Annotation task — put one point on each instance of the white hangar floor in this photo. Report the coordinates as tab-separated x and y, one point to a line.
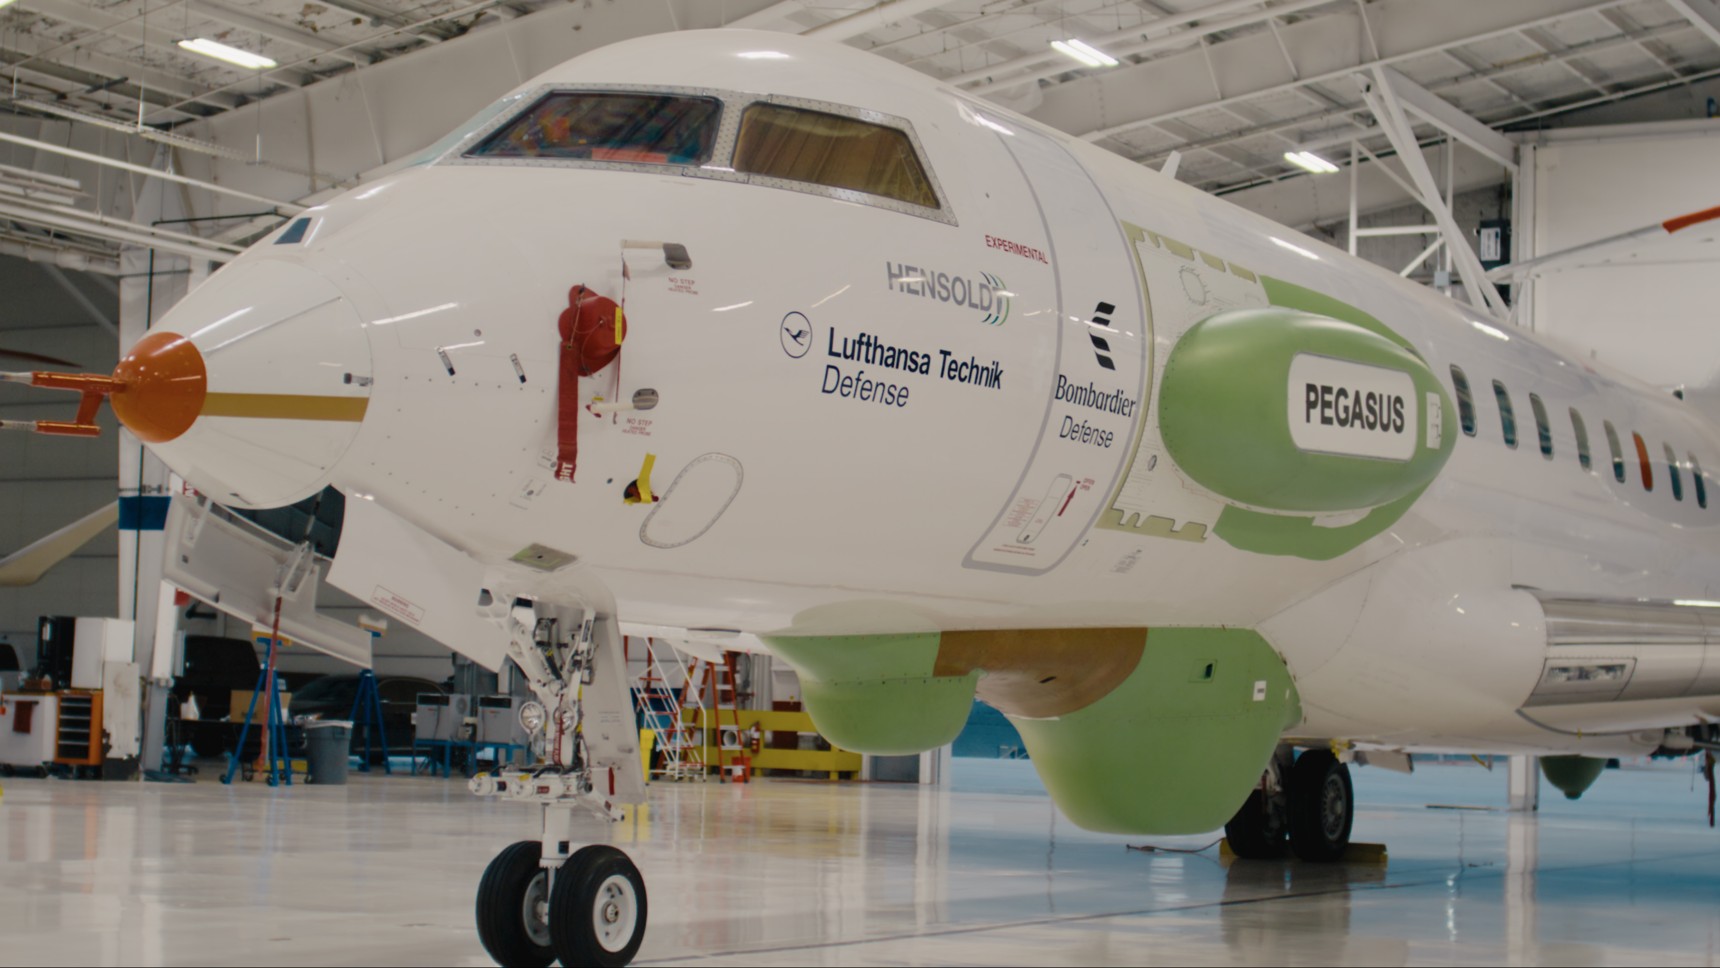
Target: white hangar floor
381	872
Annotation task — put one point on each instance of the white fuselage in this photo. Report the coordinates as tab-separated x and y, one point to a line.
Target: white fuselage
903	500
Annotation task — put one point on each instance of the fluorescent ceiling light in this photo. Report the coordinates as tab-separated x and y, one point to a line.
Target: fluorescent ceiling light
1084	52
232	55
1309	161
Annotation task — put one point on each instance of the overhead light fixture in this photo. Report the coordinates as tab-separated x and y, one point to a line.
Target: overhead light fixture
1084	52
232	55
1308	161
4	2
763	55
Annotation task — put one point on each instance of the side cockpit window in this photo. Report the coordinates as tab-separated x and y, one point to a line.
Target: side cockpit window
833	151
613	126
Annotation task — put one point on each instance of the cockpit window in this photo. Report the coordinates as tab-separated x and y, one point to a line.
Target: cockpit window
478	122
795	144
616	126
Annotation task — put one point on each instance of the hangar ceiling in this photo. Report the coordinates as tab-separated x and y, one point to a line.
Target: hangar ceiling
1230	85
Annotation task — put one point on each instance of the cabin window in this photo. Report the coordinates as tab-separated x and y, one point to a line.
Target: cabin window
1617	452
1697	482
1543	430
1642	459
1582	432
1672	474
814	147
612	126
1507	417
1465	402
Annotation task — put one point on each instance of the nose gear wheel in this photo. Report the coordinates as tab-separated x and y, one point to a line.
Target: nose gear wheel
597	908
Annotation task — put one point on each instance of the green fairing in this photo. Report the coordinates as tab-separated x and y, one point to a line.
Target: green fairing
1279	534
1266	532
1572	775
1169	752
876	693
1224	418
1291	296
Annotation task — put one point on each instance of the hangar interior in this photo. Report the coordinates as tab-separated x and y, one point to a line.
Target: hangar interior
1455	136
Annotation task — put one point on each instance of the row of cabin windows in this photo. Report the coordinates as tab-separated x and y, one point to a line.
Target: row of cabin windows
1544	432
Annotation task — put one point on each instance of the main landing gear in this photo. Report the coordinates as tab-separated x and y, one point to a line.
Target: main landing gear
1306	801
540	900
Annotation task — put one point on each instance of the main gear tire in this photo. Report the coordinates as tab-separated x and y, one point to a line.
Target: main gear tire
1322	806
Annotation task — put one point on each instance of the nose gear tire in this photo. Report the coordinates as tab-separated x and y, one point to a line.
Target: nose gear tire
597	908
513	900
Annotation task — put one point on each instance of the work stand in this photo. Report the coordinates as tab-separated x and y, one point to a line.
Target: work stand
367	715
277	765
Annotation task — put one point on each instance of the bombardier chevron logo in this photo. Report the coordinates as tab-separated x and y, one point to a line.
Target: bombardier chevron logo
988	294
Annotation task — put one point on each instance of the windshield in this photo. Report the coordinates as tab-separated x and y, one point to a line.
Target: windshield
477	122
660	129
827	149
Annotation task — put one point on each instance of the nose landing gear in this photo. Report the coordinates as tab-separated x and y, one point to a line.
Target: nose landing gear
588	911
539	901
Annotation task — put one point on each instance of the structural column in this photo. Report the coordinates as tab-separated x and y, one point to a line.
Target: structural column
150	283
1523	782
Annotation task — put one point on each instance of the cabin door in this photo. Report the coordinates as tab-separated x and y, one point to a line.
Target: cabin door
1094	391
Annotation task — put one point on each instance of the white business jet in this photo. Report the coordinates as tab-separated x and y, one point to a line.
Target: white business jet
742	331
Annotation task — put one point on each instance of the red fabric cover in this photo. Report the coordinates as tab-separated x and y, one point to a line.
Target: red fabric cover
588	344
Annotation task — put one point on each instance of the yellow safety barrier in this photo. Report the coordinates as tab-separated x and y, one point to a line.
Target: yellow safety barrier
647	742
832	761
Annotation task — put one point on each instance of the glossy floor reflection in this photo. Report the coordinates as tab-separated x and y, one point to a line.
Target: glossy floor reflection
382	872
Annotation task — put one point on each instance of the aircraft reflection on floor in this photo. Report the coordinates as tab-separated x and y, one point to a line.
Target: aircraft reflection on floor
982	872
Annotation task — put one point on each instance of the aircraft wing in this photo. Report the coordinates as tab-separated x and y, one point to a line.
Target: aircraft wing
28	564
1580	254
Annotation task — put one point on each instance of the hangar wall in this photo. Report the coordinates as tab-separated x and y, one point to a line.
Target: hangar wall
47	482
1649	310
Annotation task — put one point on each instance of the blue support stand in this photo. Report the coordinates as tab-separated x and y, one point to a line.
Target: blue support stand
367	713
278	766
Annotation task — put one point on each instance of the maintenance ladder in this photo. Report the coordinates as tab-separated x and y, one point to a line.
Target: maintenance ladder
661	710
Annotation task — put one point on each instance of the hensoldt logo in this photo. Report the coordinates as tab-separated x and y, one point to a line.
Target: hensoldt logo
796	335
986	294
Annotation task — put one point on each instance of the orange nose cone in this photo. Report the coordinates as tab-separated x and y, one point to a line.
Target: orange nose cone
163	383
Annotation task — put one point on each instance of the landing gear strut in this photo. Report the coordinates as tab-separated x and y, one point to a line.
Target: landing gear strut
540	900
1306	801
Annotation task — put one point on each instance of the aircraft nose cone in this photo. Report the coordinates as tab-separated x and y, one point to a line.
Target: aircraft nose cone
262	395
164	386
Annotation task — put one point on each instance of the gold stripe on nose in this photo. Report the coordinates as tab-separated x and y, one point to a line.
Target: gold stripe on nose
284	406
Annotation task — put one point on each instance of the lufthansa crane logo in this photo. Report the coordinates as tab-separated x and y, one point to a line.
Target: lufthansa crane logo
796	335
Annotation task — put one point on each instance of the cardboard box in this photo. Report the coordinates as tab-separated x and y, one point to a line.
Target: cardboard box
242	701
